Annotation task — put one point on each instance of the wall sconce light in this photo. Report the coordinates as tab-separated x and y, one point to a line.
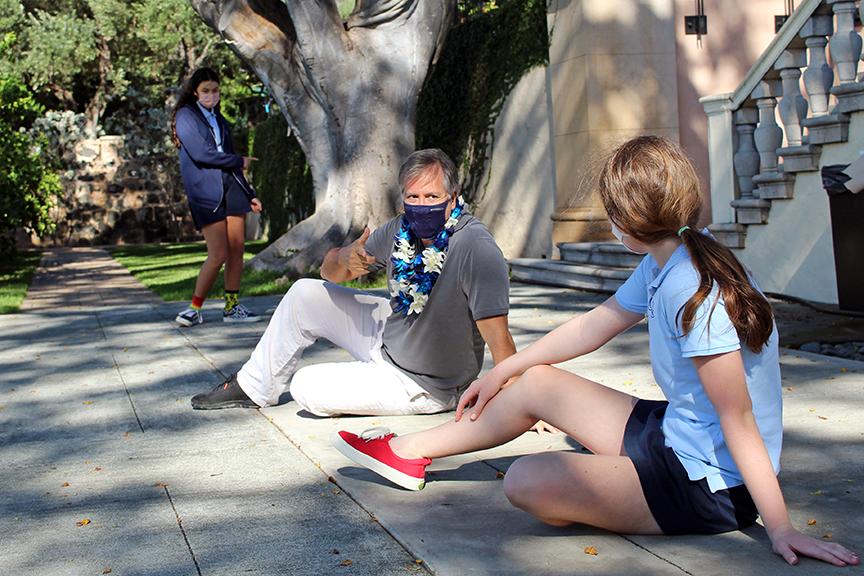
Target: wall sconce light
779	21
697	24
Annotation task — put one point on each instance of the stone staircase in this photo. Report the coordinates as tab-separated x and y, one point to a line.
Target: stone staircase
767	197
594	266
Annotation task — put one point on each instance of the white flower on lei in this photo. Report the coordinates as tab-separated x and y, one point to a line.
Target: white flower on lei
451	221
403	250
418	303
397	286
433	260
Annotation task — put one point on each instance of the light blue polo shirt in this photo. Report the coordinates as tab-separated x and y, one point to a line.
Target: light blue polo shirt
210	116
691	425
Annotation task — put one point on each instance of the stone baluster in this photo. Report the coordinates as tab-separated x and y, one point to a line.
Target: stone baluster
797	156
746	159
845	46
845	51
750	208
819	76
793	106
772	182
768	135
846	42
861	18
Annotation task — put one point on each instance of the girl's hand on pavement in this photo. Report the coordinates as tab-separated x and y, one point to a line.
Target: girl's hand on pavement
788	543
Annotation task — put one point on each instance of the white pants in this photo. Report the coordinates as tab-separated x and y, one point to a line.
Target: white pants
351	319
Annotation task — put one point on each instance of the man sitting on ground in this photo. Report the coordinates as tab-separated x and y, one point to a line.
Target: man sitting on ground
416	352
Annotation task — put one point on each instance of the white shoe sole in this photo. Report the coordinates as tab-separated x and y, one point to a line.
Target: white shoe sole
185	322
238	320
395	476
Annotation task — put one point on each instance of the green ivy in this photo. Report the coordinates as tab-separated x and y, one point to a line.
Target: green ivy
27	170
483	59
280	176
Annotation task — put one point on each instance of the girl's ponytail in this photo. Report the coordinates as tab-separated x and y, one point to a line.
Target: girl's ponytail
746	307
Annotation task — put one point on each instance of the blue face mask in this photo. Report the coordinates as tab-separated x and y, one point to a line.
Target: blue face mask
426	221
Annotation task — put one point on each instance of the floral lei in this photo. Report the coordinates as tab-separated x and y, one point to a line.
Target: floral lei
413	275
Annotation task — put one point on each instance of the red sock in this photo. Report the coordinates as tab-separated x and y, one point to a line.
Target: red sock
197	302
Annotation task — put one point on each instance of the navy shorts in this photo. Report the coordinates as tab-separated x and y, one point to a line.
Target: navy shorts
678	504
234	203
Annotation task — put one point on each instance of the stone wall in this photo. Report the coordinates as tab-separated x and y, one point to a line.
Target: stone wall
110	198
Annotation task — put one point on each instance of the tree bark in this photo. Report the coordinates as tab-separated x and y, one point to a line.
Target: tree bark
96	107
349	93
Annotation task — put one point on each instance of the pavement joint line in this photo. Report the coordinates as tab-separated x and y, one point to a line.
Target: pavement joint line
182	530
624	536
128	394
330	478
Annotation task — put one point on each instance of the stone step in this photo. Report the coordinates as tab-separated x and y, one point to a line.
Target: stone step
568	274
612	254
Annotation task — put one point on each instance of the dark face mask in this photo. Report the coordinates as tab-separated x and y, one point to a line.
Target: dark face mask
426	221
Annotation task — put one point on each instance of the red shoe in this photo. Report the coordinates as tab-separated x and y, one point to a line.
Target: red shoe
372	450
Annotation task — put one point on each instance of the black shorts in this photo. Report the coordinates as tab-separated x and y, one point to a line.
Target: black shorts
234	203
678	504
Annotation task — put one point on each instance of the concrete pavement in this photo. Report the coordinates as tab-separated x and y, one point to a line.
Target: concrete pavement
106	467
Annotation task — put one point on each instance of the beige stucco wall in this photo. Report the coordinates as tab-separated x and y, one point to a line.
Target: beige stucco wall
619	68
738	33
520	193
612	76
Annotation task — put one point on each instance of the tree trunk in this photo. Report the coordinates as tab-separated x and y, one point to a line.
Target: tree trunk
349	92
96	107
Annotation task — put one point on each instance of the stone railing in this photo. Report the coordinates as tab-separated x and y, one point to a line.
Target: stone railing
754	159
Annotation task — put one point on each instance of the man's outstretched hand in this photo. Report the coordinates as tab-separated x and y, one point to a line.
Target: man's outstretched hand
354	256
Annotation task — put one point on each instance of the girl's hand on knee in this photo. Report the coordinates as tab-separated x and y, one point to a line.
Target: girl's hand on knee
478	394
788	543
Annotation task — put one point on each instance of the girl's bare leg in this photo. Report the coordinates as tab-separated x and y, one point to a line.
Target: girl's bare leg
216	237
591	413
560	488
236	230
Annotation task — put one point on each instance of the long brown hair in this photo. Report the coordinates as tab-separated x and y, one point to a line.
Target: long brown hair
187	96
650	191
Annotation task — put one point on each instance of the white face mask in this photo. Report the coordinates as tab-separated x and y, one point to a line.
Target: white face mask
620	236
209	100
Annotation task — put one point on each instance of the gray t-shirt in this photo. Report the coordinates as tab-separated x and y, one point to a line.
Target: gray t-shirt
442	349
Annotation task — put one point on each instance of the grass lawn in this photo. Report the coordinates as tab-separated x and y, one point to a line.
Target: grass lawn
16	273
170	270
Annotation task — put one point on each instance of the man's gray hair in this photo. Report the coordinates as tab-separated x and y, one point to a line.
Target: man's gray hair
421	161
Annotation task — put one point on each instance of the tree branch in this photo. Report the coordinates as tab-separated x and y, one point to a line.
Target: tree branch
316	19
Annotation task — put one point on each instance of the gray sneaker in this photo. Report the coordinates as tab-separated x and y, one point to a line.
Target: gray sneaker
190	317
225	395
239	313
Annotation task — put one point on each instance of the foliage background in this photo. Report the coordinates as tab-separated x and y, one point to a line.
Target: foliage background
27	176
485	56
114	67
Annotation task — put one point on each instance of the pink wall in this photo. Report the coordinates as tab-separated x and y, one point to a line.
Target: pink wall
738	33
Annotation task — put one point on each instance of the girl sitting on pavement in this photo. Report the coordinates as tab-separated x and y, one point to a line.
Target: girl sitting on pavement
703	461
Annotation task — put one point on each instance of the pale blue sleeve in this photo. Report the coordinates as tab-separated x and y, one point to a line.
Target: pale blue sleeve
633	294
712	331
